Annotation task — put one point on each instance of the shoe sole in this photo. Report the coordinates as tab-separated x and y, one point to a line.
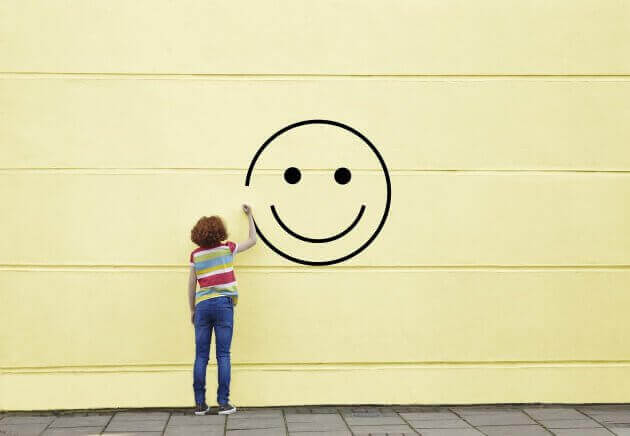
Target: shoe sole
203	412
227	412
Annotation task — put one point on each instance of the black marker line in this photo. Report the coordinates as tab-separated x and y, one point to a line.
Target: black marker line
317	240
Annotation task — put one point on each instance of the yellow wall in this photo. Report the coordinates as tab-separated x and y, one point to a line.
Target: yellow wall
501	275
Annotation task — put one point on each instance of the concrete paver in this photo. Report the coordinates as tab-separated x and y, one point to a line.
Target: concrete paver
387	433
502	420
135	433
118	425
196	420
610	413
484	410
605	407
258	432
195	430
569	423
303	426
367	411
583	432
388	428
373	420
438	423
81	421
514	430
315	423
445	414
23	429
143	416
24	419
261	413
319	433
329	417
611	417
620	429
451	432
73	431
237	423
549	413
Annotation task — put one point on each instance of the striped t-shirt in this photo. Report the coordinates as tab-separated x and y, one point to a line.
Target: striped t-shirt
213	266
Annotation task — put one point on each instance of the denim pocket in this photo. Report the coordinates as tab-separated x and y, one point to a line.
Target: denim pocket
224	317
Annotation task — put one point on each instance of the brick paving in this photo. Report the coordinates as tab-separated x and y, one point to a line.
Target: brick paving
500	420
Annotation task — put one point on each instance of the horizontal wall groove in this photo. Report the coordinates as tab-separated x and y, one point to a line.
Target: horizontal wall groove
311	269
242	171
313	366
308	76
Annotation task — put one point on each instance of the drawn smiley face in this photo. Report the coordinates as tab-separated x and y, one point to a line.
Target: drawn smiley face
348	238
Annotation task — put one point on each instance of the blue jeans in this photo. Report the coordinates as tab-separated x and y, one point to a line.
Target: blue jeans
217	313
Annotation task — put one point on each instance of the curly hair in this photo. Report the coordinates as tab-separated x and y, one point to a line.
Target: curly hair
208	231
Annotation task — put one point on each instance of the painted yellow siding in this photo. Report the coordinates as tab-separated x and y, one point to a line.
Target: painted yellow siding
331	37
501	275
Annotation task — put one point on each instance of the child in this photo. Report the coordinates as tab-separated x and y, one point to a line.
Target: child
212	306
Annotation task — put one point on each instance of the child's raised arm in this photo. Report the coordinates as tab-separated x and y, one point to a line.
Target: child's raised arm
251	241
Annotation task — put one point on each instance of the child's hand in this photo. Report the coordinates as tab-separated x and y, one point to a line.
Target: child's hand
247	209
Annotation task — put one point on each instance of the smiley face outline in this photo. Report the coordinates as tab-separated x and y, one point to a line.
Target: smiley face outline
381	223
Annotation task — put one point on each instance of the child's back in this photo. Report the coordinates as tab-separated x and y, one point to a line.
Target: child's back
214	271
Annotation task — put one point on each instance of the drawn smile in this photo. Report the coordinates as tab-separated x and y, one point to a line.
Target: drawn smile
317	240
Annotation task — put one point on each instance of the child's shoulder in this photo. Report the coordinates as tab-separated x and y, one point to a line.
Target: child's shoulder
226	244
231	245
197	250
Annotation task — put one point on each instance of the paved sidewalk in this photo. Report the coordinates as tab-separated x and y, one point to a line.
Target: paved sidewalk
560	420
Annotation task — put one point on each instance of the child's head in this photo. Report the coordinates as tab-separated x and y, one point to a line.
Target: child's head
208	231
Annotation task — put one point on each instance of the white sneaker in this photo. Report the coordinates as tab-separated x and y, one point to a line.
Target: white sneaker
226	409
202	409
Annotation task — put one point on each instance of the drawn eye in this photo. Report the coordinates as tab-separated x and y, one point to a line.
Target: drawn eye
292	175
342	175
